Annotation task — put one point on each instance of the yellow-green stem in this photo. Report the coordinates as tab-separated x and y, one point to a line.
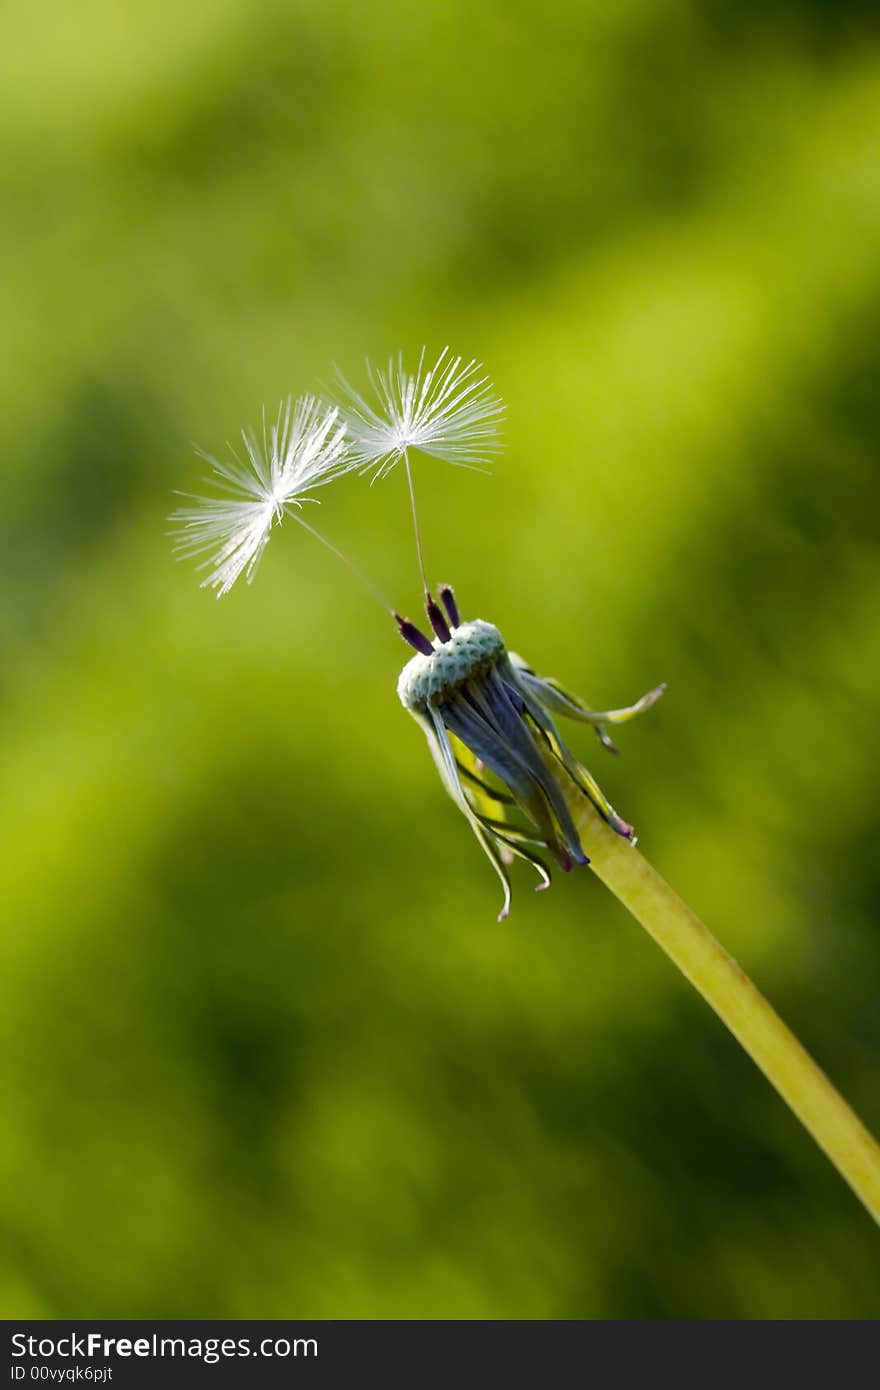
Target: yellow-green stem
702	960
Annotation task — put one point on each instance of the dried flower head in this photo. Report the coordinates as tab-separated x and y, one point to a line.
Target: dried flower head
482	708
488	717
305	448
448	410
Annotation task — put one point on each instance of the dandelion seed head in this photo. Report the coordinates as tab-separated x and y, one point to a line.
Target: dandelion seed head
489	722
448	410
470	649
304	448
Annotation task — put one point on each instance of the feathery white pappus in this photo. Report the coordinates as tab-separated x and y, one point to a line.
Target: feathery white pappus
448	410
305	448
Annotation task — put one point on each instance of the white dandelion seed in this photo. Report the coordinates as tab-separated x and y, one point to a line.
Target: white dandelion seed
449	411
305	448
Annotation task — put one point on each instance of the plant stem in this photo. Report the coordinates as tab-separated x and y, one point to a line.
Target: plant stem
724	985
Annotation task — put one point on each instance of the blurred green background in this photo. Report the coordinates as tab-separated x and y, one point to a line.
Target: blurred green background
267	1052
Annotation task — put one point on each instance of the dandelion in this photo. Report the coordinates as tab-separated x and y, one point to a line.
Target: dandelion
483	708
488	717
449	410
306	448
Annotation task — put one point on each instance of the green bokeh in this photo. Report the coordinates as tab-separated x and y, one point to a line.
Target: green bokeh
266	1051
